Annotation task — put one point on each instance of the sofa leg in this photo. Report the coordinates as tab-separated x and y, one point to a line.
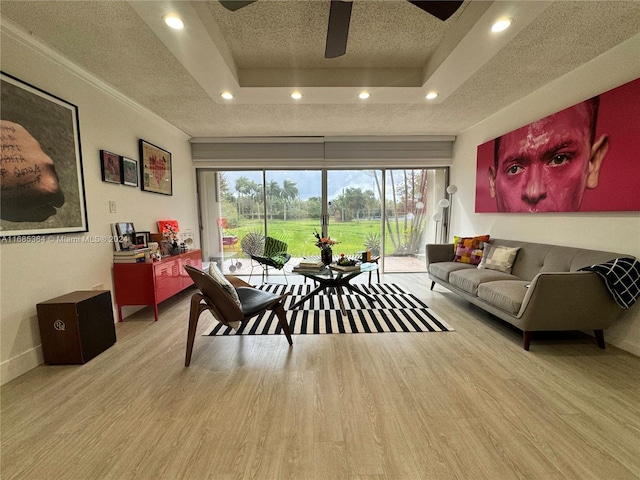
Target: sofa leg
599	338
527	335
433	284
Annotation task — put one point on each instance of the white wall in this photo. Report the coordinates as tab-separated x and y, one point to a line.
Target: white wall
610	231
37	272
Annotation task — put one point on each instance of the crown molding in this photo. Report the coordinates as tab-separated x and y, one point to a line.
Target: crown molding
28	40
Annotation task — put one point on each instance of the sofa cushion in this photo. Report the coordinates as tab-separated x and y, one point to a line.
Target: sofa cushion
505	294
499	258
469	279
469	249
443	269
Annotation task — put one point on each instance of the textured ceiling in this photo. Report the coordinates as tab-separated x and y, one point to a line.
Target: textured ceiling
264	51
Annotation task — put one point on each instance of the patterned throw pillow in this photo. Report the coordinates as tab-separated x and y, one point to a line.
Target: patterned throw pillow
469	249
498	257
219	277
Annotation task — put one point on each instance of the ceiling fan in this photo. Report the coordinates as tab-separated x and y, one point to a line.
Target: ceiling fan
340	16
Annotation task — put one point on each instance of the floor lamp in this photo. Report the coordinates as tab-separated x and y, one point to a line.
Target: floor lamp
437	217
451	191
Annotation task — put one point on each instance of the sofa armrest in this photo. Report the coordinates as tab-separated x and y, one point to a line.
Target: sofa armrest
439	252
568	301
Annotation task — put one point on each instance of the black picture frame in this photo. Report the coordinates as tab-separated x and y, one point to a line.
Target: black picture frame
129	168
155	169
142	238
110	167
50	126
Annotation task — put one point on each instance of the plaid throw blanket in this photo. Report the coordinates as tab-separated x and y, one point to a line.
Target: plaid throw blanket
622	277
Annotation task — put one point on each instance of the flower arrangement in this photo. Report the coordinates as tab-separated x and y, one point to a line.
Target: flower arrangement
324	243
345	262
171	235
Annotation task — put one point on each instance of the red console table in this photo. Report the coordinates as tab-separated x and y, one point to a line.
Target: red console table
151	283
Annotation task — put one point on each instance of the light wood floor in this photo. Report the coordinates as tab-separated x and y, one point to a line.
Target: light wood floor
469	404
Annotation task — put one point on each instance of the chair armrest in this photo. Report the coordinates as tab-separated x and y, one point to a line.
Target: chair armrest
439	252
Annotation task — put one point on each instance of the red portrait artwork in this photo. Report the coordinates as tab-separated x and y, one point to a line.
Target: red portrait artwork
585	158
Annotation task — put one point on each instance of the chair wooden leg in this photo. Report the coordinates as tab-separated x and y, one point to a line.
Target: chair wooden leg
433	284
599	338
527	335
194	314
283	322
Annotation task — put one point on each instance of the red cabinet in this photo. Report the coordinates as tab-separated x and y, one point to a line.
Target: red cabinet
151	283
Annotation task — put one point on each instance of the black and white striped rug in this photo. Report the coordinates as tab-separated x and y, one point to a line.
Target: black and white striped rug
393	311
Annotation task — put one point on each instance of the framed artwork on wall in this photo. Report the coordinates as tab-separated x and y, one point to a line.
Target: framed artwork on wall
110	167
155	169
583	158
129	168
42	183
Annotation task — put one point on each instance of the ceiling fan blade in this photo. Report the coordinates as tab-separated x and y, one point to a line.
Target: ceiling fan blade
338	29
441	10
234	5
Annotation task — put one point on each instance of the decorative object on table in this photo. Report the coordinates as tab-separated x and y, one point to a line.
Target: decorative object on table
110	167
129	168
169	230
394	310
325	244
36	122
142	239
345	261
155	169
123	235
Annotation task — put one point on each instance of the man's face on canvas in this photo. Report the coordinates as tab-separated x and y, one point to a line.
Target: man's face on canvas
546	165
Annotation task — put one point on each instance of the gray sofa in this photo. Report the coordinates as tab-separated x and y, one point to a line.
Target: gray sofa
545	291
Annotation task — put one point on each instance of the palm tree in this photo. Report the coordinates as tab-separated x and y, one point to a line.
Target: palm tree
288	193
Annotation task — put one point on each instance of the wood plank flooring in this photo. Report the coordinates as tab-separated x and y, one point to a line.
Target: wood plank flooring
469	404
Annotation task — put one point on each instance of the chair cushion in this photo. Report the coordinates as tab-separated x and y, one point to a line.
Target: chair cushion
254	300
217	275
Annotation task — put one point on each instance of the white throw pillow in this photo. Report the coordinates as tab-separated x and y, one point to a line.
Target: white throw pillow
218	276
498	257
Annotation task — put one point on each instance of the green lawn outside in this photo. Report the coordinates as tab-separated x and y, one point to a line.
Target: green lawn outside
299	234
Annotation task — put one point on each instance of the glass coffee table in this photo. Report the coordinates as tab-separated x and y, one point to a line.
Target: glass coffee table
336	280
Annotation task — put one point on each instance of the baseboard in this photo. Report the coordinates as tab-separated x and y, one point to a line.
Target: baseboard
626	346
16	366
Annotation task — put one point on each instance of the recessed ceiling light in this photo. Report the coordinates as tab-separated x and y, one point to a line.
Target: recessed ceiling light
501	25
431	95
364	95
174	21
227	95
296	95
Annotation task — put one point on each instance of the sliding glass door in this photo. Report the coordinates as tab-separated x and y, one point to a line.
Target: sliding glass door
344	204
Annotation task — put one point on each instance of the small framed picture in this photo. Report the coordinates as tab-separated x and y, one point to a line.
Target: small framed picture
142	238
155	169
110	167
129	171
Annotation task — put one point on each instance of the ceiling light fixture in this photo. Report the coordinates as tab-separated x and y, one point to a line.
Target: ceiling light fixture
364	95
501	25
174	21
227	95
296	95
431	95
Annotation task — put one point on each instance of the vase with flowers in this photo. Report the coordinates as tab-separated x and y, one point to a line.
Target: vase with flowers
171	237
325	244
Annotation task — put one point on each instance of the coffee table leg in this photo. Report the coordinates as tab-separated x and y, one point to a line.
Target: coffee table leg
308	296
